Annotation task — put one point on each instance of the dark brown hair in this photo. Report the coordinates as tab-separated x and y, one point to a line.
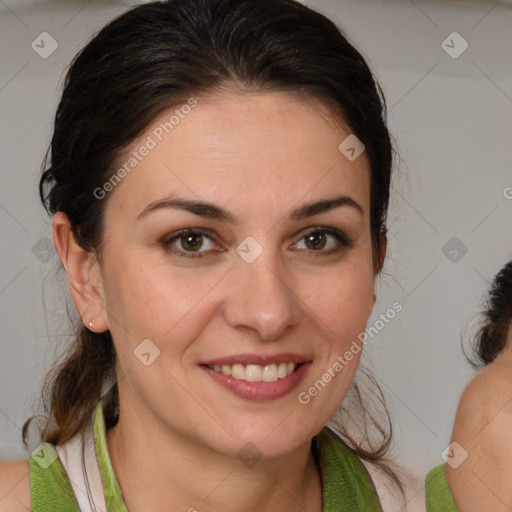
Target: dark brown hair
156	56
497	318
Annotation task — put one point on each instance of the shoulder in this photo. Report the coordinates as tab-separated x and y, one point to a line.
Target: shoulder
480	474
15	486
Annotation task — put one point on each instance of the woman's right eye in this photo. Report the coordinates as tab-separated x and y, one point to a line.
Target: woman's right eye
190	242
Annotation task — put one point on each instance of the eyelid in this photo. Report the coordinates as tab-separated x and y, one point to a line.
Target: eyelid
342	238
167	240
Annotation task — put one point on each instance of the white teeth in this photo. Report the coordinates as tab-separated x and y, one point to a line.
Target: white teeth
256	372
238	371
269	373
253	373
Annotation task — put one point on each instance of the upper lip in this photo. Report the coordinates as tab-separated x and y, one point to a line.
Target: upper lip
258	359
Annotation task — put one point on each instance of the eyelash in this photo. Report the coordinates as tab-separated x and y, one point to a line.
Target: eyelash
344	241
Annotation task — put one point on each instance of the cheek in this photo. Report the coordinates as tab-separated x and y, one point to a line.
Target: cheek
152	301
342	302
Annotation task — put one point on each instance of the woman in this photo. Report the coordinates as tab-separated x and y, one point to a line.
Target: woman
477	474
219	184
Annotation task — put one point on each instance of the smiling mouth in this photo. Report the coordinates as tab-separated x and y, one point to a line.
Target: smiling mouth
255	372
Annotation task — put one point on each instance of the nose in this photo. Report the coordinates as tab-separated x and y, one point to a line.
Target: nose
261	297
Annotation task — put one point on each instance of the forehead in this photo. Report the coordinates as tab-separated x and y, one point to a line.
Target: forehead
241	149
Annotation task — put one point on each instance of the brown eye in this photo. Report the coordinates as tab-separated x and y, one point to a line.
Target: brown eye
187	243
191	242
315	240
326	241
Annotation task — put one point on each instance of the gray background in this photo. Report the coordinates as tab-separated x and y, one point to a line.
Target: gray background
452	119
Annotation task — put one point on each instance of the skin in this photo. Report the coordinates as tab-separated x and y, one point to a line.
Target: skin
258	155
483	428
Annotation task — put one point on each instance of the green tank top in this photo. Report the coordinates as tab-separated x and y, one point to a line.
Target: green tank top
346	484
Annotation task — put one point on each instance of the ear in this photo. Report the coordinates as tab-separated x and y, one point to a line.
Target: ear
84	275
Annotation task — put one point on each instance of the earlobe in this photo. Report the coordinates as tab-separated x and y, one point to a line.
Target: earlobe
83	273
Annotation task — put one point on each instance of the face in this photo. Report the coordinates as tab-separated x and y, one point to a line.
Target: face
254	285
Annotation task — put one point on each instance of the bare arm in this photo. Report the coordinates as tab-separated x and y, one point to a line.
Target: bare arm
15	487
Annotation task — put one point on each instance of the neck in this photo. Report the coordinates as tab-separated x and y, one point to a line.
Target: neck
174	472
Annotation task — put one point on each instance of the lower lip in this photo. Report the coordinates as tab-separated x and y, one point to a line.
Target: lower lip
260	390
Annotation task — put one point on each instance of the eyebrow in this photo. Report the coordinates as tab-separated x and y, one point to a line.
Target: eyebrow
212	211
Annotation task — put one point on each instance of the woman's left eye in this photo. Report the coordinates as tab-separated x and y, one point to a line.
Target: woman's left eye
316	240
